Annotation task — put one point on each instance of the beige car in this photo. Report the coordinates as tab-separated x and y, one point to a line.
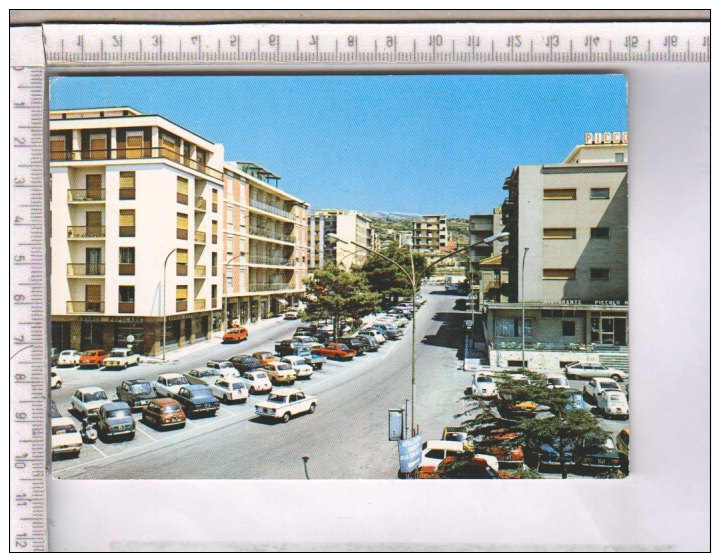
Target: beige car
279	372
283	404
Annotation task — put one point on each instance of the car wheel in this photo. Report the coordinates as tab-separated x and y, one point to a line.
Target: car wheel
188	412
616	378
312	408
58	385
132	436
225	399
286	416
253	390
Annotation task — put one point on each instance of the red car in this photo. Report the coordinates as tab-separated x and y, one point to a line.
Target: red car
93	358
235	335
335	351
265	357
507	455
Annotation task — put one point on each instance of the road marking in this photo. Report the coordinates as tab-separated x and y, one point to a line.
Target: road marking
227	410
98	450
148	435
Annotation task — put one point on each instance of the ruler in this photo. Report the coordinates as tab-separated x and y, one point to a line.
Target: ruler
414	43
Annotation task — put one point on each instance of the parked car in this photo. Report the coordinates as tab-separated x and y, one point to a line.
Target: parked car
256	381
115	420
591	370
121	358
557	381
369	343
65	439
136	393
197	399
622	445
204	375
479	467
265	357
420	299
284	404
315	360
379	337
244	363
224	368
55	380
86	401
354	344
392	332
596	386
483	386
336	351
164	412
291	315
298	364
613	404
597	453
235	335
279	372
168	384
230	389
435	451
507	455
288	347
54	356
455	434
575	400
93	358
546	456
68	358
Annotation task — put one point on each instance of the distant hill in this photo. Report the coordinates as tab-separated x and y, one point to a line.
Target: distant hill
387	223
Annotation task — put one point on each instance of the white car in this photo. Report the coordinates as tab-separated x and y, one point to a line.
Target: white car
557	381
121	358
613	403
375	334
397	320
484	386
224	368
169	383
596	386
257	382
284	404
65	440
435	451
68	358
86	401
230	389
55	380
298	364
591	370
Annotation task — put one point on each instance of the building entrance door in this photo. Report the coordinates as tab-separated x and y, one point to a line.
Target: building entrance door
609	329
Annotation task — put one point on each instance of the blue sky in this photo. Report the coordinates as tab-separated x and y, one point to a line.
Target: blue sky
401	143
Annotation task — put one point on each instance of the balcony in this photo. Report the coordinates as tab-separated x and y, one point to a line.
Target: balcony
200	204
86	232
268	208
85	269
181	305
270	286
128	231
126	269
200	237
200	271
126	307
86	307
181	269
86	195
272	235
270	260
135	153
199	305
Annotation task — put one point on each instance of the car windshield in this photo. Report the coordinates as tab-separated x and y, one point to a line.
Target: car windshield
284	367
141	388
88	353
174	408
119	413
616	398
456	436
610	385
178	381
238	386
201	392
64	429
342	346
556	381
68	352
225	365
484	380
274	398
95	396
117	353
260	376
209	372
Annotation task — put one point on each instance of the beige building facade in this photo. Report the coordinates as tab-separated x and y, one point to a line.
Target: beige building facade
351	226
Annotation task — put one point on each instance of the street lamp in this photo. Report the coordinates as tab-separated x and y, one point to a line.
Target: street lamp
225	291
412	279
522	302
164	300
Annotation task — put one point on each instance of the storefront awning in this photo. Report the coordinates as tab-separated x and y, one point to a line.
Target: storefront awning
281	301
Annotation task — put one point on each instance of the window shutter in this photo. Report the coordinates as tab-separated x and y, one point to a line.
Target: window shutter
127	217
560	194
134	146
182	256
127	179
181	293
182	221
182	185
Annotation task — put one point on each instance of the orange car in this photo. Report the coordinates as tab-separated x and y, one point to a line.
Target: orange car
335	351
474	469
235	335
93	358
506	454
265	357
164	412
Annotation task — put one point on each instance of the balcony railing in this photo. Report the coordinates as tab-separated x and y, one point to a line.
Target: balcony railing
200	271
127	269
181	305
135	153
127	231
201	204
199	304
270	260
86	232
181	269
127	193
182	234
85	269
86	195
257	204
126	307
200	237
182	198
265	233
86	307
270	286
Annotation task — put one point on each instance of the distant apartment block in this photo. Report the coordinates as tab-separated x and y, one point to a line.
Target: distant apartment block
348	225
430	233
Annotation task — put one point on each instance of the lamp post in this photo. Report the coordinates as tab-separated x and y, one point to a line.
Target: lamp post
164	300
522	303
412	279
225	291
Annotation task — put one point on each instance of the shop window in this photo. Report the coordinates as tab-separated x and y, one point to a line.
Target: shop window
568	329
600	232
512	327
599	274
599	193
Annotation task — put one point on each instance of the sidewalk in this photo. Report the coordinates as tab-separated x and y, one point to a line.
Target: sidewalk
178	353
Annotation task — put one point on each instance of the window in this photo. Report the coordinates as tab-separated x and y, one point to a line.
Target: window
182	190
134	148
127	185
214	263
558	274
229	217
214	232
126	303
93	188
568	328
229	245
98	146
181	262
242	246
181	294
214	200
512	327
182	226
213	291
600	232
619	157
127	222
560	194
57	148
229	279
599	274
599	193
127	261
559	233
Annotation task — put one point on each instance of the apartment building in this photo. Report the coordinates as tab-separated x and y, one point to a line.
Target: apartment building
351	226
484	267
266	253
430	233
566	259
134	241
